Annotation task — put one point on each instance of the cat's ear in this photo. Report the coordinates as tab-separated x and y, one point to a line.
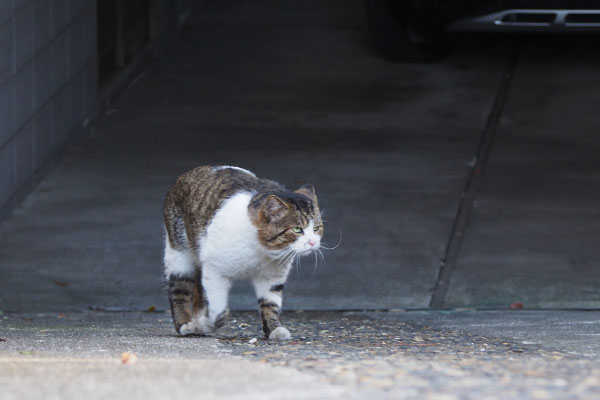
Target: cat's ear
307	190
274	209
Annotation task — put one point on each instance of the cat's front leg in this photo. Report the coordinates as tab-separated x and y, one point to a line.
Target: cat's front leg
270	293
216	288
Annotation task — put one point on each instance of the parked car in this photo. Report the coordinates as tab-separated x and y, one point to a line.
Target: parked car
411	30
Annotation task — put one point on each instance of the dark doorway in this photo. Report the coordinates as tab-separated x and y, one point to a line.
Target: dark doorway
124	28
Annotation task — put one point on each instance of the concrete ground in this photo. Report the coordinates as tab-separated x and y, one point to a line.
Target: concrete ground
294	92
349	355
535	227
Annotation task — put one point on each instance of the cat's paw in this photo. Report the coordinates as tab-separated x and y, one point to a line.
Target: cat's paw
280	333
205	325
197	326
188	329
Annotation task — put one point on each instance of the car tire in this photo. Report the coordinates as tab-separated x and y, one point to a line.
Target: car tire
394	38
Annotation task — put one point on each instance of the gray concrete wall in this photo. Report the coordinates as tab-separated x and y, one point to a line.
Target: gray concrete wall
49	82
48	86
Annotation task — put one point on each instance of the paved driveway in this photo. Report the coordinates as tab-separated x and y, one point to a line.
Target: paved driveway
294	92
348	355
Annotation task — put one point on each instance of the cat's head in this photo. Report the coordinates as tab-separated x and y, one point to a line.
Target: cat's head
290	220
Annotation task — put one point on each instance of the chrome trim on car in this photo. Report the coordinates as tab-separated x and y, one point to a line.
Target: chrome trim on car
531	20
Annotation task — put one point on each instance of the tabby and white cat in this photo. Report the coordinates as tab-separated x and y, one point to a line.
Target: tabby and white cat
224	224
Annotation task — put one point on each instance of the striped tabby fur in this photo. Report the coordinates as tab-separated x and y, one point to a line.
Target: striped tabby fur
223	224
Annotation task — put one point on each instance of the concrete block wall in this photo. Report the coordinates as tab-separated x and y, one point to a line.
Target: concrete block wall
48	86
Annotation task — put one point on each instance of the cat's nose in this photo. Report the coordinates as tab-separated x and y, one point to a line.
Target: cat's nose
311	242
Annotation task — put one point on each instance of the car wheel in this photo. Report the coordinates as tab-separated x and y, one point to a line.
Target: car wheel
397	39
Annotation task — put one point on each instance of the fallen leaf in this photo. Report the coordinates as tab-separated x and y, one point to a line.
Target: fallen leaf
60	283
151	309
128	358
516	305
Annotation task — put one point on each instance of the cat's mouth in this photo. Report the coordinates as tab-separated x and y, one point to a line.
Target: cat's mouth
307	250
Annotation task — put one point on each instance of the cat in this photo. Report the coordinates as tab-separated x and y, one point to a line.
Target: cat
224	224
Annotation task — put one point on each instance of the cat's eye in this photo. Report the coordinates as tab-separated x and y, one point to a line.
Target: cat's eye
297	229
317	228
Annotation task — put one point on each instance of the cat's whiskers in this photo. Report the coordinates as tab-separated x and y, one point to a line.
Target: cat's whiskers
324	245
278	256
286	257
299	270
316	263
320	254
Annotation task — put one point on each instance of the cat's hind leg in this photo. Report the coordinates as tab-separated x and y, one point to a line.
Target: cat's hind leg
270	295
215	289
185	296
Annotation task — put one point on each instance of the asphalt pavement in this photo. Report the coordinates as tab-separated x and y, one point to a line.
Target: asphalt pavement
350	355
294	92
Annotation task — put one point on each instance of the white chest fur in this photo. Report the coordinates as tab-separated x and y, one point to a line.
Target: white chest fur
231	244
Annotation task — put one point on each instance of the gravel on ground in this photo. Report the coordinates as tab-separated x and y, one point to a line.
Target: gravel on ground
330	355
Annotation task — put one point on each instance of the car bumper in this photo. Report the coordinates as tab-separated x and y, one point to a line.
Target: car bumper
530	20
